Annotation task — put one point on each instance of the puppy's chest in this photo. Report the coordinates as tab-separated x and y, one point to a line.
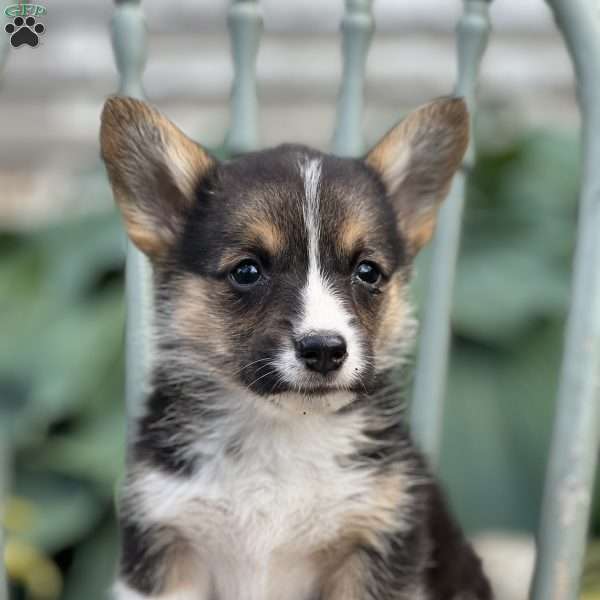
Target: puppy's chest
279	504
278	497
269	499
265	515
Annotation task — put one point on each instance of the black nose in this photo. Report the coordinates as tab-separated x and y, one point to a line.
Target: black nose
322	353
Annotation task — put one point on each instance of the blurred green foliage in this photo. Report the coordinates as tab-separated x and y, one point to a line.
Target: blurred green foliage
61	409
61	368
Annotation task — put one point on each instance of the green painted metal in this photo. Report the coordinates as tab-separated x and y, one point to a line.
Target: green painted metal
427	404
575	445
245	27
129	44
357	32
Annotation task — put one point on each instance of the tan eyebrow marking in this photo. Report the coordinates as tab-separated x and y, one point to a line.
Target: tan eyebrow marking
261	234
357	234
267	235
352	231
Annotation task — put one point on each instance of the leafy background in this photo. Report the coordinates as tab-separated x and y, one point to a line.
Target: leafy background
61	368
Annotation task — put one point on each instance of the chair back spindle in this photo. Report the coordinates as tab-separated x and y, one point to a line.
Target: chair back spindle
357	32
427	406
130	48
575	444
245	27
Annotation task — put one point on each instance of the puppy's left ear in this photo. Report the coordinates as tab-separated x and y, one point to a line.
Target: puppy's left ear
154	169
416	161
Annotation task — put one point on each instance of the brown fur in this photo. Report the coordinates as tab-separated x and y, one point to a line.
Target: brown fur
348	581
149	159
417	159
192	320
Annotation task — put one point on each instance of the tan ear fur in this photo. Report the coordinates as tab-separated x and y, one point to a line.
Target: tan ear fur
154	169
416	161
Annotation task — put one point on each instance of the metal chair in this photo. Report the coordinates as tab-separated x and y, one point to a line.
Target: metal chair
574	452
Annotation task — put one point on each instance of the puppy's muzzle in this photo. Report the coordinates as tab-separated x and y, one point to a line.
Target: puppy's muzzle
322	352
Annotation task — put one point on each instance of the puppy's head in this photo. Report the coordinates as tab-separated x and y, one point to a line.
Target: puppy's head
283	271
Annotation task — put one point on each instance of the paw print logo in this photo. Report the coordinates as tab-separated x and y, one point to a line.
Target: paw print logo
24	31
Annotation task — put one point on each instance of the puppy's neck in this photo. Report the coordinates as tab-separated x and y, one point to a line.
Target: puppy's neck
187	421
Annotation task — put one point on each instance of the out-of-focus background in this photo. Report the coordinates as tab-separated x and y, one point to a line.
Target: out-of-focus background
61	256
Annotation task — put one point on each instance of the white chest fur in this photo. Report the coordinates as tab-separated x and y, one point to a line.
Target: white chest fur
269	496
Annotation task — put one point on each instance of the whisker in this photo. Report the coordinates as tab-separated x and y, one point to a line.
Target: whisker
250	364
262	377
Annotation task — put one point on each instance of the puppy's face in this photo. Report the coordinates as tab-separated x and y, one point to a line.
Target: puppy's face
284	271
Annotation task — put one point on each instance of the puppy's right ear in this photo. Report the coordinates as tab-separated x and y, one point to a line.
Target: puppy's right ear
154	170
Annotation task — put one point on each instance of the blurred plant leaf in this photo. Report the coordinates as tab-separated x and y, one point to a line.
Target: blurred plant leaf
54	315
498	420
502	290
94	452
94	565
64	510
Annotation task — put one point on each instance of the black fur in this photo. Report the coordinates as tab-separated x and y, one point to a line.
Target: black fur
156	440
145	555
455	570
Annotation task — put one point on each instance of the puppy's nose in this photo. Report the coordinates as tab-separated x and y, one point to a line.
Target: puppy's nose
322	353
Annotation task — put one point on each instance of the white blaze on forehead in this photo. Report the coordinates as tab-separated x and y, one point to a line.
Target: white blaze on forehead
323	308
317	297
311	173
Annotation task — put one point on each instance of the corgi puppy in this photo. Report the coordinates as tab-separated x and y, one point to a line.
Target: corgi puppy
271	461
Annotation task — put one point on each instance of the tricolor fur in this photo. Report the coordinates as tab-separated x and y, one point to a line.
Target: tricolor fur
272	461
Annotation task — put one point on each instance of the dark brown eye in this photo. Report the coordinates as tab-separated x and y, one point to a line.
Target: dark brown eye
246	273
368	272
